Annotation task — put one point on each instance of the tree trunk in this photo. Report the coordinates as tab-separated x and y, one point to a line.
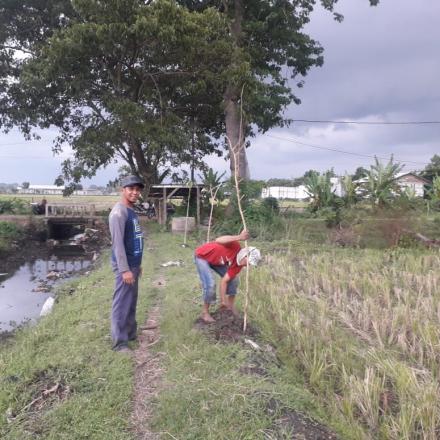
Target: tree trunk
235	134
235	124
143	167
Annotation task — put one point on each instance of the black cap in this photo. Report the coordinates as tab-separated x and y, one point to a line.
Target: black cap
132	181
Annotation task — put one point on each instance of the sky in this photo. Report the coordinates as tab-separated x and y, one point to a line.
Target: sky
381	64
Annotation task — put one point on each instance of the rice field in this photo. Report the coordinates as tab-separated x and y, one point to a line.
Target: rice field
361	328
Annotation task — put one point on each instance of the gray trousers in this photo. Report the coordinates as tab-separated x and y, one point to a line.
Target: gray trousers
124	326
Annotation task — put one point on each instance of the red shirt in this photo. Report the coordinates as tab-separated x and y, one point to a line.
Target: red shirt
219	254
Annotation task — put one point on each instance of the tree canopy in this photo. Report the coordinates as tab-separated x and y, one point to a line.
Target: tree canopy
270	50
433	168
122	79
154	83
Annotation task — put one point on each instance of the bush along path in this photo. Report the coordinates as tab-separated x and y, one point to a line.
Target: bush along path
184	380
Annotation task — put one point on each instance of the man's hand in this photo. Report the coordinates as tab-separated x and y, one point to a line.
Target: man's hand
226	239
128	277
244	235
223	287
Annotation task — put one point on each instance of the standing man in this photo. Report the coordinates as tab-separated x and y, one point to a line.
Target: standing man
225	257
127	247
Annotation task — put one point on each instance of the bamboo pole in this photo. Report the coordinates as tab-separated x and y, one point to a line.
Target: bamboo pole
235	149
235	152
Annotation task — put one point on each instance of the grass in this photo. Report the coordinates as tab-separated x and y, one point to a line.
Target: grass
293	204
20	203
355	333
204	393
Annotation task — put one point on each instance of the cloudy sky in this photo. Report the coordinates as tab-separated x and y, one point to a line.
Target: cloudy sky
382	64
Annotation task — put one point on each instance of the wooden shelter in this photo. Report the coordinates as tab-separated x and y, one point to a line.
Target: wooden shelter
161	194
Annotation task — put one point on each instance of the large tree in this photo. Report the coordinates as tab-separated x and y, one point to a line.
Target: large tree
269	40
153	69
120	78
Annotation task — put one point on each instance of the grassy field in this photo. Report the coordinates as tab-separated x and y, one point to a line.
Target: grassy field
59	198
354	333
293	204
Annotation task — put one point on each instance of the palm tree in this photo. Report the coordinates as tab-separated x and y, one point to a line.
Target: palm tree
211	181
350	190
381	185
319	188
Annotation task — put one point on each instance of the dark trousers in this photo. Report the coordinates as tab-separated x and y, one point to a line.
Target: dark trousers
124	326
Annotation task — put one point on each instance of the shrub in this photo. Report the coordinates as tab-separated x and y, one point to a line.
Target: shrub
10	230
14	206
271	203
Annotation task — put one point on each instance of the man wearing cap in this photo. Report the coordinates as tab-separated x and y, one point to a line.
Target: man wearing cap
225	257
127	247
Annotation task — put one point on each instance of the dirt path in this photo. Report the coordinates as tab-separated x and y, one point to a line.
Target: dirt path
287	423
148	372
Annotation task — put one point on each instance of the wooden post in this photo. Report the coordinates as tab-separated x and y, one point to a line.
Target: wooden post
198	205
164	206
159	212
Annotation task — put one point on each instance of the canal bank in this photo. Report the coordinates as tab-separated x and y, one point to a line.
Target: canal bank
60	379
38	258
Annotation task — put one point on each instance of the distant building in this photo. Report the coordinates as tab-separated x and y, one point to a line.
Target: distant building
88	192
285	192
405	181
413	182
299	192
337	187
55	190
41	189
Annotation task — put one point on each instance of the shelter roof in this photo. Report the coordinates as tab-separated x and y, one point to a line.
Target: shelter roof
178	190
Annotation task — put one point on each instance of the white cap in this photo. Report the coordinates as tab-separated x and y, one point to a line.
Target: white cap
253	254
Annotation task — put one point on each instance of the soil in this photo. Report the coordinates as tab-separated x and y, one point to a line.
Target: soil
294	425
148	372
226	328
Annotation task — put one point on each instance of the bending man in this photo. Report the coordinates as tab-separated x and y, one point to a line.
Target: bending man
225	257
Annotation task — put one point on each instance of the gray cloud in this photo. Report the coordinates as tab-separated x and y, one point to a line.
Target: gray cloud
381	64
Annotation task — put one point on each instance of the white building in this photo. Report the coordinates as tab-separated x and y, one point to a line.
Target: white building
41	189
337	187
55	190
412	182
299	192
285	192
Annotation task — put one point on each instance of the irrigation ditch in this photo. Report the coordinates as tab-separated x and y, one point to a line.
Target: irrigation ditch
48	252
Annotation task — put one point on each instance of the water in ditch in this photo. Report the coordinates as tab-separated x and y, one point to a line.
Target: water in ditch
24	290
